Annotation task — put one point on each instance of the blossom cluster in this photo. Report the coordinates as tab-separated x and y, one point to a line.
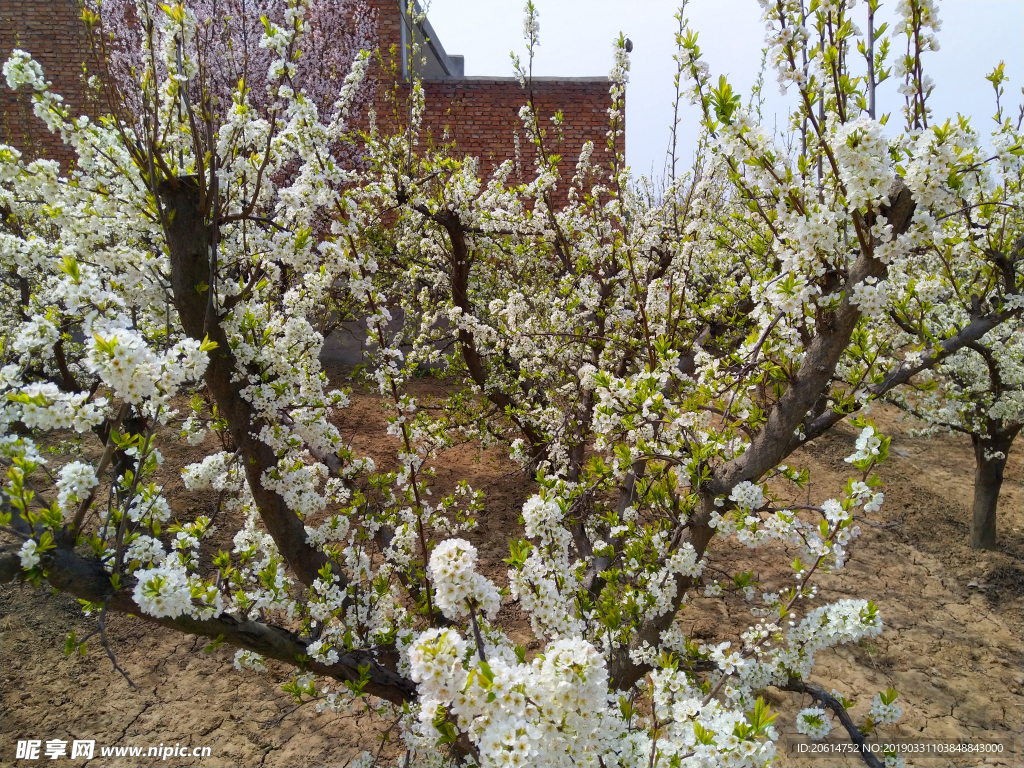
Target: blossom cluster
459	587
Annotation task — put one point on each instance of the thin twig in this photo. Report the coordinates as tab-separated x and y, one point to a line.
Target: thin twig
476	632
106	644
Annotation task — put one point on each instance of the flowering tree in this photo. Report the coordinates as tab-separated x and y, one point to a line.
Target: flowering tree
946	300
978	391
224	53
653	364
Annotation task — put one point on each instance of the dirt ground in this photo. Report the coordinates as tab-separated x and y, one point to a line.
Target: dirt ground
952	644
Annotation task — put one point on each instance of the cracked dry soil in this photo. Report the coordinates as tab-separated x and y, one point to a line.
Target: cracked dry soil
951	649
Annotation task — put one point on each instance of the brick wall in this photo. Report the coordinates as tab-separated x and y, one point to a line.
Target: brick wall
52	31
389	24
482	114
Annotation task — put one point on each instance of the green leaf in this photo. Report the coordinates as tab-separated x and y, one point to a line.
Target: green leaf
702	734
70	268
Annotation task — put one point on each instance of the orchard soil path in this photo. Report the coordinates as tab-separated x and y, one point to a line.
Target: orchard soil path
952	643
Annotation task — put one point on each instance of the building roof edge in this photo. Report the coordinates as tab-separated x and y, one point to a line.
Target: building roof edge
490	78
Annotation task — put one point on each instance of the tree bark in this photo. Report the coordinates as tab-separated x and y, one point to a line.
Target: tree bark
189	241
989	462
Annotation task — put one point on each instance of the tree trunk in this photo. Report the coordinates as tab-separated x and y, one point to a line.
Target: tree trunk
188	243
990	459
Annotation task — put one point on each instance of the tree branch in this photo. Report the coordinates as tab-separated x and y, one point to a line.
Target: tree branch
830	702
903	373
86	579
775	441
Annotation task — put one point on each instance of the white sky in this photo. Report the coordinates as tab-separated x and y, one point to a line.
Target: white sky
576	40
